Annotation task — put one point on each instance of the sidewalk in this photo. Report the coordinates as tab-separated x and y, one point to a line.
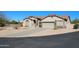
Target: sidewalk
34	32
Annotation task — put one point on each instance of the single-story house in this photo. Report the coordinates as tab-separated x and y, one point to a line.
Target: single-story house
50	21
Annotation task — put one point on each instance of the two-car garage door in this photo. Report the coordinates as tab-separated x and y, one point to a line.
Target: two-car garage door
48	25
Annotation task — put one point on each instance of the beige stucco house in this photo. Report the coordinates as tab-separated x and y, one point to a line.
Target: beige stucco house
50	21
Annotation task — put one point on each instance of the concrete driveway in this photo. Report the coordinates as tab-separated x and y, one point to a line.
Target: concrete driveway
67	40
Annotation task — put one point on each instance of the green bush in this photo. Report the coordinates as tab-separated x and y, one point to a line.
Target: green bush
76	26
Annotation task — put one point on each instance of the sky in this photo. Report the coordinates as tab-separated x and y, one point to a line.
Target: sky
20	15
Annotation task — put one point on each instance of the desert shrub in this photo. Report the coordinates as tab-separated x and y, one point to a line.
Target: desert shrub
76	26
13	22
75	21
2	24
15	27
3	20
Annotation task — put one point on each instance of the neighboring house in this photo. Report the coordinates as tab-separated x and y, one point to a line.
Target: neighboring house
51	21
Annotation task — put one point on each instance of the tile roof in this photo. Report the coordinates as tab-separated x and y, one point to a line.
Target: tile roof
43	17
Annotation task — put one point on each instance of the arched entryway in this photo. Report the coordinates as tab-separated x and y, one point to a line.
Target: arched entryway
33	24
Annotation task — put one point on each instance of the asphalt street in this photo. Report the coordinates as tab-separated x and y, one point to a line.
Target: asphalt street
67	40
